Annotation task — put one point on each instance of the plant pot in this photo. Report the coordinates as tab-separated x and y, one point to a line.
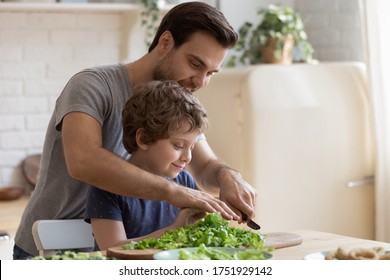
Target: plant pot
272	53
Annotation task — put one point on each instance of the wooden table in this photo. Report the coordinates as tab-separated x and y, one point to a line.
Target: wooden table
313	241
316	241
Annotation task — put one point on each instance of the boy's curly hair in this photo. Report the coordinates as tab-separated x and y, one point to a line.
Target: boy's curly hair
160	108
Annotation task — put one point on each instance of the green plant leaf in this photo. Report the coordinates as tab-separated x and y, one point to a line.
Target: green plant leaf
275	21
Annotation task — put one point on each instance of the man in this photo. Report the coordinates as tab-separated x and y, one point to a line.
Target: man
83	144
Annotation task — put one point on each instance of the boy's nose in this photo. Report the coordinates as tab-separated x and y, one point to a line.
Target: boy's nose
186	156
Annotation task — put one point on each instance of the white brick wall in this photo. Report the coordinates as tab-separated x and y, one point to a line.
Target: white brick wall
40	49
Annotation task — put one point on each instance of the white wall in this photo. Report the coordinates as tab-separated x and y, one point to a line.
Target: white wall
41	48
237	12
333	26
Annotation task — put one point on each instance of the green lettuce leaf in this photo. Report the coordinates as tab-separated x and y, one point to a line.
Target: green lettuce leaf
212	231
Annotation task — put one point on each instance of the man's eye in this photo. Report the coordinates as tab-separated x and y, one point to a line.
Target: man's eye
195	65
178	147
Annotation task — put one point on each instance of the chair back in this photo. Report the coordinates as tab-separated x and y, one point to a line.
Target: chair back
53	235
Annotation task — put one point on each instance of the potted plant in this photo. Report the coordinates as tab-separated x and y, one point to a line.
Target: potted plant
150	18
276	39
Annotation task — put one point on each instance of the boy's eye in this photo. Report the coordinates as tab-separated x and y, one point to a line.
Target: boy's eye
178	146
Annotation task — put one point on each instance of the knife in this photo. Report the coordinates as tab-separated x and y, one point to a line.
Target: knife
250	223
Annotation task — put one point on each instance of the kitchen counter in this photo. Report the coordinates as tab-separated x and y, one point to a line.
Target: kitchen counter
11	212
65	7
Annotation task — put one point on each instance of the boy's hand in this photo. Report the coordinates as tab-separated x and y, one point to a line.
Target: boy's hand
188	216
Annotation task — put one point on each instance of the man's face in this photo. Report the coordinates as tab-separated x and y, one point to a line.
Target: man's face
193	63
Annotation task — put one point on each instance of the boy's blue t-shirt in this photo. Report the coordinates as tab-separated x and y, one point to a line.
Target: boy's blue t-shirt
140	217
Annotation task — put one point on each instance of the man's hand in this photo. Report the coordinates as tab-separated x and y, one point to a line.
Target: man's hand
218	178
236	192
189	198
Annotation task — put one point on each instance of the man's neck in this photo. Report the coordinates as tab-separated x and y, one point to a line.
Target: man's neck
140	71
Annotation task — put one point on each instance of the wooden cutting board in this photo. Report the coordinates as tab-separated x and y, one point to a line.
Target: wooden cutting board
282	239
275	239
121	254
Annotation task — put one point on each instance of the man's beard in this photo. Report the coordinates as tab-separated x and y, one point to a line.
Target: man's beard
161	72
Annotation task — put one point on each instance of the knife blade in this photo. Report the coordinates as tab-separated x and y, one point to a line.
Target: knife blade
250	223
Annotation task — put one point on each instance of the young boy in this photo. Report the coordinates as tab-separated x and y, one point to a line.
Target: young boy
161	124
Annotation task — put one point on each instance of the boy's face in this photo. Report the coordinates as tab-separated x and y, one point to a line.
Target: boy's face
167	157
193	63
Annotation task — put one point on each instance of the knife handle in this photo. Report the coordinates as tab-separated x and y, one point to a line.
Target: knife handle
244	216
250	223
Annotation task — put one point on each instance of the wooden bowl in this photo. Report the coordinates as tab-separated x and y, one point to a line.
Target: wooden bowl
30	168
11	193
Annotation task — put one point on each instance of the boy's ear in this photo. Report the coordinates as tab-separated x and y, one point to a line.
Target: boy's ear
138	138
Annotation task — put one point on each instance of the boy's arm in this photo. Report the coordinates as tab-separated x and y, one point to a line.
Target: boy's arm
186	217
110	233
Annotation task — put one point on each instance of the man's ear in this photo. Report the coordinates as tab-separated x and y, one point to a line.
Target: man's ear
166	42
138	138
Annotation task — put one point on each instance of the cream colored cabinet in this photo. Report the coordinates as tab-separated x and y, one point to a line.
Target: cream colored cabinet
302	136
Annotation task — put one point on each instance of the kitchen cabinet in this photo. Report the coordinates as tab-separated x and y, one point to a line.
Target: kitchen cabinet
302	136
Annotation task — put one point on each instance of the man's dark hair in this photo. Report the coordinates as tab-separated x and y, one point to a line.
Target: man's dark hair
185	19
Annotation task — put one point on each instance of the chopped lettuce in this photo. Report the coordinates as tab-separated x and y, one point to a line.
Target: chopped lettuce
205	253
70	255
212	231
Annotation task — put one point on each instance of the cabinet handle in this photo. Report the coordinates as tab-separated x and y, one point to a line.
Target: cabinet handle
368	180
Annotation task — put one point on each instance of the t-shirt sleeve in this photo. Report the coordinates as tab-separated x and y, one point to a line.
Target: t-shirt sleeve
86	92
202	137
103	205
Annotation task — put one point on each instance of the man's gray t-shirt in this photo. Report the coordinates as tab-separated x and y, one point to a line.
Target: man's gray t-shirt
100	92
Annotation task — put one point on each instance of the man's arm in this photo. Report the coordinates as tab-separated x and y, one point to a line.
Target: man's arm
89	162
215	176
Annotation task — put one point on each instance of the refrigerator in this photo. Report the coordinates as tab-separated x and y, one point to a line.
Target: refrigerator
302	136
